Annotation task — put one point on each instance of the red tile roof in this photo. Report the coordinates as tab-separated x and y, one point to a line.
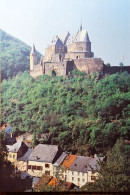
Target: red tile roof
5	126
69	161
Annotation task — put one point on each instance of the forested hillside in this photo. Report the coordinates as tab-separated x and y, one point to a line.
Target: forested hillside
14	55
81	112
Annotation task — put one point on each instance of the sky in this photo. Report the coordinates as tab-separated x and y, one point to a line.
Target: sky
37	21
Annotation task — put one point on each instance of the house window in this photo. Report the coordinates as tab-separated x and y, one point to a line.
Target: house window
10	156
78	173
65	177
78	179
72	178
47	172
29	166
47	165
33	167
82	174
83	180
72	173
13	156
39	168
93	177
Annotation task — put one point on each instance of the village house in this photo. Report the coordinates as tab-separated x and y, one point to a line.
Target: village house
16	151
41	160
22	162
53	183
81	171
49	160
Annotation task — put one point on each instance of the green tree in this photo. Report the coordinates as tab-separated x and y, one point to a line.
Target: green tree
112	174
10	179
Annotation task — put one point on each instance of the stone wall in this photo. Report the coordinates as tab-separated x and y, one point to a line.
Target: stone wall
79	46
89	65
58	67
48	53
115	69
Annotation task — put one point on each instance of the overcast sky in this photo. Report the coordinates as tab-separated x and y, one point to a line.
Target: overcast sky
37	21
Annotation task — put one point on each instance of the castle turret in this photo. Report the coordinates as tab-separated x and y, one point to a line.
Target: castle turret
33	58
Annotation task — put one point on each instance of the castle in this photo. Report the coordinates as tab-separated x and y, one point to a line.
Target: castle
67	53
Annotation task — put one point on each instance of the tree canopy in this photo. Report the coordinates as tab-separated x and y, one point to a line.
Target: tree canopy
113	176
14	55
82	113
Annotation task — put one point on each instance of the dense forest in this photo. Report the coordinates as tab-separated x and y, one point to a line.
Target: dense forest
14	55
83	113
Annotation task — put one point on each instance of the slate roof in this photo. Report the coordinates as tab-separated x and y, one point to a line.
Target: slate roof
84	164
33	51
44	153
35	180
60	159
25	157
14	148
80	36
24	175
56	40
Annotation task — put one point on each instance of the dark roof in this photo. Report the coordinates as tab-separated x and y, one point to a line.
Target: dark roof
15	147
35	180
60	159
84	164
33	51
24	175
26	155
44	153
56	41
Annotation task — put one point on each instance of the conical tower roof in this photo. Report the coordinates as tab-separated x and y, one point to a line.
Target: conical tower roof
33	51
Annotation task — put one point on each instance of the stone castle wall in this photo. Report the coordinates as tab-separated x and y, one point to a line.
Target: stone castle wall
89	65
76	46
115	69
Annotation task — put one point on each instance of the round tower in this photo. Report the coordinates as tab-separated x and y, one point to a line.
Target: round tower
33	58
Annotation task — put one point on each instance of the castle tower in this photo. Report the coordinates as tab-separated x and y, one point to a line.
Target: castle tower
33	58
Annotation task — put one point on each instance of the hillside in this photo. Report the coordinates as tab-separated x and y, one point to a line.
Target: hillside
79	111
14	55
